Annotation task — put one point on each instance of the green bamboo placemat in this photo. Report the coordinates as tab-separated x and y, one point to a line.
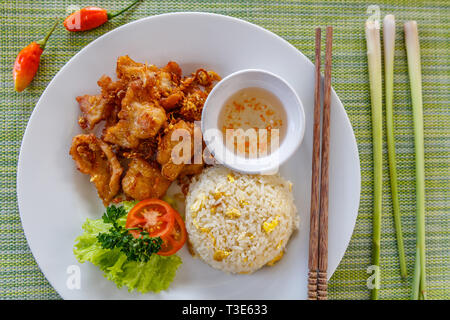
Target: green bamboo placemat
25	21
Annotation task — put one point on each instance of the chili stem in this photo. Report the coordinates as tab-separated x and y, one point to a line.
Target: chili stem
374	62
389	51
112	15
415	78
43	41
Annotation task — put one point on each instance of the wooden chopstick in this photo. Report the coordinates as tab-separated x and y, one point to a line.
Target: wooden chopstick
313	260
323	216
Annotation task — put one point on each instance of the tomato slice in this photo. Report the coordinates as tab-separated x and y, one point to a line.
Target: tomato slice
174	241
155	216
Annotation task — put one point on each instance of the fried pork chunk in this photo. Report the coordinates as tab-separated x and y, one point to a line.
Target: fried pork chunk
139	121
192	105
129	70
143	181
163	82
168	82
196	89
140	113
192	169
180	136
139	118
94	157
95	108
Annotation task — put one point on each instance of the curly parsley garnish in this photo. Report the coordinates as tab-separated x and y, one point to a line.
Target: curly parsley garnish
136	249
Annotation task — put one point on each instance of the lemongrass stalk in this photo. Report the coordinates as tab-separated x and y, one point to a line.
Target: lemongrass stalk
389	50
415	78
374	62
416	278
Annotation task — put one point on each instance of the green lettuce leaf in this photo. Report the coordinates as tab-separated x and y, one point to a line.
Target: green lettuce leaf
128	205
154	275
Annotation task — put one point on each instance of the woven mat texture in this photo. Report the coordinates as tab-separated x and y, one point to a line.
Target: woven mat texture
24	21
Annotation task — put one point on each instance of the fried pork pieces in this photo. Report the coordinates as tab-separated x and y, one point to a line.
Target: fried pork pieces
96	158
140	111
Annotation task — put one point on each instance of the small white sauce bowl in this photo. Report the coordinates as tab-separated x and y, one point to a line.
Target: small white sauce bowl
295	121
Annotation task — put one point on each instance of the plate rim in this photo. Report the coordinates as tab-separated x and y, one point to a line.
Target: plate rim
141	20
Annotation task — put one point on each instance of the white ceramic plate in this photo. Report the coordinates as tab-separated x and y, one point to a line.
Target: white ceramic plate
55	199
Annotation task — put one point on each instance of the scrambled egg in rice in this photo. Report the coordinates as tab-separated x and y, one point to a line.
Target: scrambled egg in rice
238	223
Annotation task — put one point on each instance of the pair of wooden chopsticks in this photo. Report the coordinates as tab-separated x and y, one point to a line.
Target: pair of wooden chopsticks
318	234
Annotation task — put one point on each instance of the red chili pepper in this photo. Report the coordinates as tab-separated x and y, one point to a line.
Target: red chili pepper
27	62
90	17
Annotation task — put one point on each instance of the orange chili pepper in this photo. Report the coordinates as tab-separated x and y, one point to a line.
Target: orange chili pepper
27	62
90	17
